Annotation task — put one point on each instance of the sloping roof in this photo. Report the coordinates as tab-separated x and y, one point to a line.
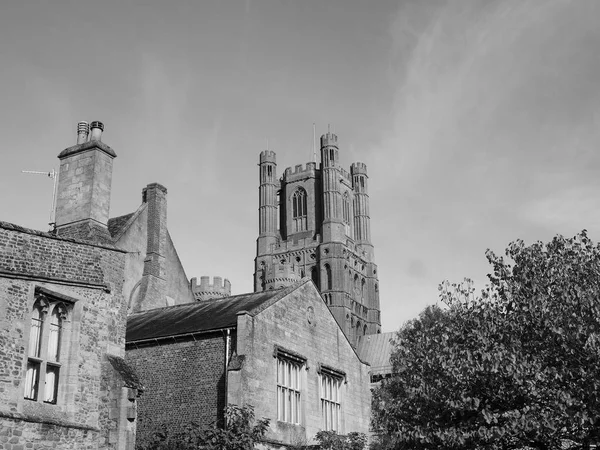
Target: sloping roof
200	316
376	349
116	224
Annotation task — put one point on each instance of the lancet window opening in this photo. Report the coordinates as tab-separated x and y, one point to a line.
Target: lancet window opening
299	211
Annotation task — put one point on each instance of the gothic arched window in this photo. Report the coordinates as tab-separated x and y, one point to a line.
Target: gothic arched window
43	361
299	214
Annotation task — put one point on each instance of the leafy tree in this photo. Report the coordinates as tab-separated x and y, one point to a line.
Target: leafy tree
241	432
330	440
514	367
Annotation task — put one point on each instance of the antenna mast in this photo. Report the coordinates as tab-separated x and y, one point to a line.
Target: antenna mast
52	174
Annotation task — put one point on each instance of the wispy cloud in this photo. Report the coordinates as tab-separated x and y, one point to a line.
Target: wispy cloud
494	129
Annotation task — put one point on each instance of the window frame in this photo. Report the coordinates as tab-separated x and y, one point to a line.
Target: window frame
299	210
331	398
45	361
289	379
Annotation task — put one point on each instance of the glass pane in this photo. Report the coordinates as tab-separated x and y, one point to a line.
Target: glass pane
54	342
35	335
51	385
288	373
279	403
278	371
32	378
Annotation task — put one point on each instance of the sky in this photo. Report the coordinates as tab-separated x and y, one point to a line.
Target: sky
479	121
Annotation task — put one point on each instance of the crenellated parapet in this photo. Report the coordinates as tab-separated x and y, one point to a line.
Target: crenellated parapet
267	156
299	171
207	290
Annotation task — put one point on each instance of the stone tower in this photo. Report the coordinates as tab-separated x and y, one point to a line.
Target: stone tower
219	288
314	221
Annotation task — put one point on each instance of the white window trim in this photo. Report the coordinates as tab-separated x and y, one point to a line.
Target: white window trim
289	381
331	398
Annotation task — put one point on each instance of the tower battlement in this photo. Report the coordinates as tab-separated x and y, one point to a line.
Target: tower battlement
329	139
267	156
314	222
300	169
219	288
358	168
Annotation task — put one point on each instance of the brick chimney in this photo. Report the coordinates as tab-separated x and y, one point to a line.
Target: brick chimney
84	182
153	287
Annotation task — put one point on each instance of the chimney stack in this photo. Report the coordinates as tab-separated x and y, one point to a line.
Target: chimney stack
97	128
83	130
83	191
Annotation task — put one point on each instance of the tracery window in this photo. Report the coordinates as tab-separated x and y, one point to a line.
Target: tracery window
43	360
299	214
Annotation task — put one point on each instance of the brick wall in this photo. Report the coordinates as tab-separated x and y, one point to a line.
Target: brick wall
184	381
89	279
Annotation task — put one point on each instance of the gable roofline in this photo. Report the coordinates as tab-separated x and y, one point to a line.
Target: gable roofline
133	216
289	290
338	325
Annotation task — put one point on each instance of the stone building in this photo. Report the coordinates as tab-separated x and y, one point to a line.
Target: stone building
63	379
315	222
279	350
74	379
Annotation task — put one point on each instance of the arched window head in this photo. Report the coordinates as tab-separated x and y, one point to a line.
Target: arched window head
299	210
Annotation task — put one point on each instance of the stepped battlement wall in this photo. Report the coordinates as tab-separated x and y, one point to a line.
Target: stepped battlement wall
207	290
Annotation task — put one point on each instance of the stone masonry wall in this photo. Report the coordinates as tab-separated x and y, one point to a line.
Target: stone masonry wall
302	324
184	381
89	280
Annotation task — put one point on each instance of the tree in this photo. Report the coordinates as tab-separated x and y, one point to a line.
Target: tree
330	440
515	367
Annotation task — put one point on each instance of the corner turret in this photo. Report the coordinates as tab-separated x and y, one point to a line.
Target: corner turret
219	288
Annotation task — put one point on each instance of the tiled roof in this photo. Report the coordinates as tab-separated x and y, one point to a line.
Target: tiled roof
200	316
376	349
116	224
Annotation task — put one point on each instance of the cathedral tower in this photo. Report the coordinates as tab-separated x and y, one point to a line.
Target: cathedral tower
314	221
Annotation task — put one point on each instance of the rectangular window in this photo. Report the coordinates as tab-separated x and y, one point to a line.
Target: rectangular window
331	399
288	390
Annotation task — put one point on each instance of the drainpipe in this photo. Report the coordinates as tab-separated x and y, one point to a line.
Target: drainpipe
227	349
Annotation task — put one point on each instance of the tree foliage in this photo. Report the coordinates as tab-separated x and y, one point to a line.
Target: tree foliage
330	440
241	432
514	367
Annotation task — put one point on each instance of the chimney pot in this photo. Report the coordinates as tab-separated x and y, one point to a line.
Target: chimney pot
83	130
97	128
